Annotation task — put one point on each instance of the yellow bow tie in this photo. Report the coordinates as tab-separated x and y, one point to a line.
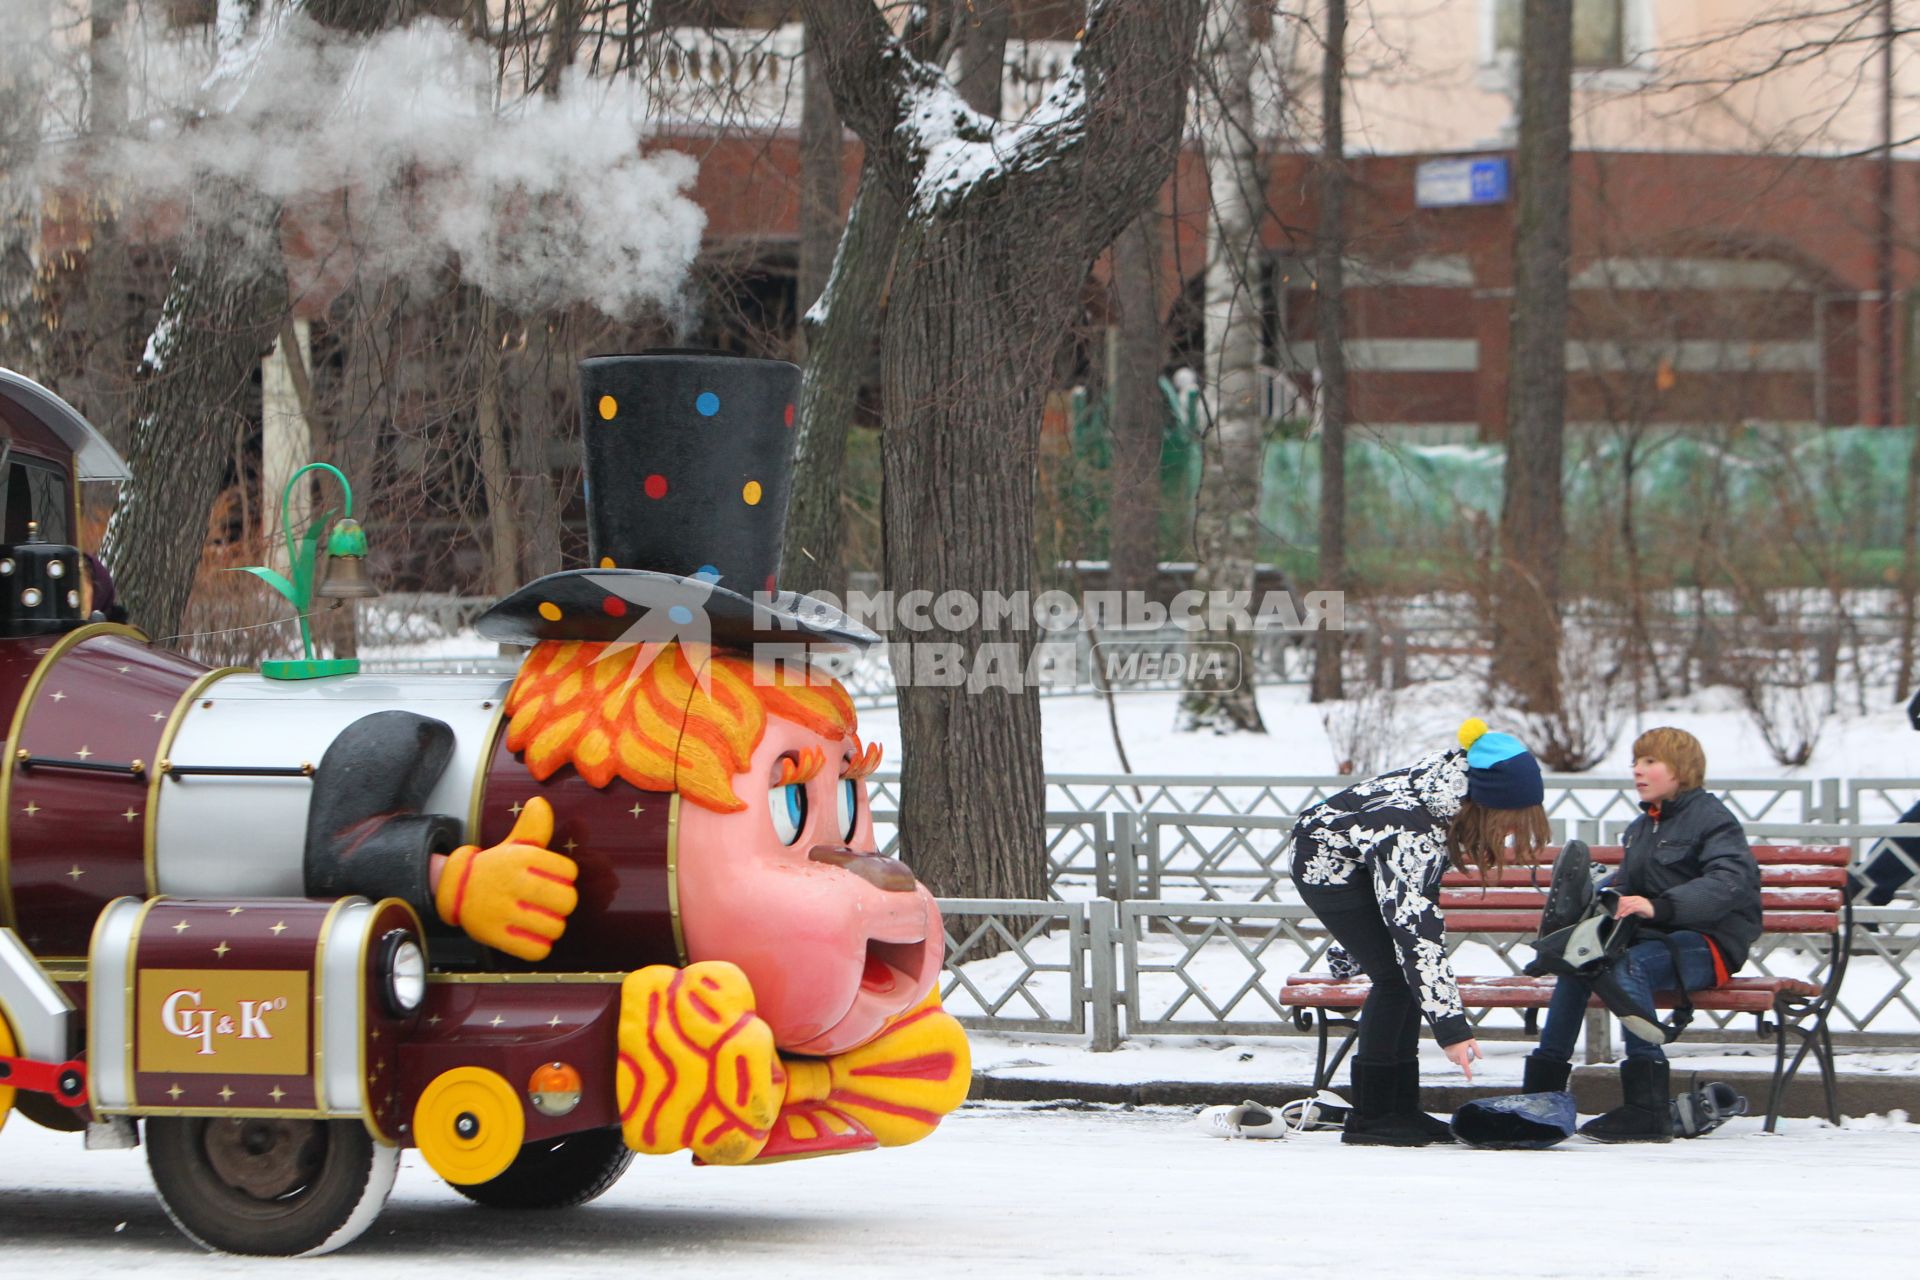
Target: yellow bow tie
697	1069
897	1086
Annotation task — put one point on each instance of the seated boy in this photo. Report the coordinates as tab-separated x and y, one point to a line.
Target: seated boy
1689	873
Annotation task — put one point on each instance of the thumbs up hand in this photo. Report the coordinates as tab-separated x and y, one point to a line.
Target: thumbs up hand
514	896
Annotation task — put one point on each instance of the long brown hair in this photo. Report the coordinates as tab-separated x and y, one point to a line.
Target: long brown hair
1477	838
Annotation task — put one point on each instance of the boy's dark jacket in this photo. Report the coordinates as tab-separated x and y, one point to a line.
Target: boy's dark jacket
1693	864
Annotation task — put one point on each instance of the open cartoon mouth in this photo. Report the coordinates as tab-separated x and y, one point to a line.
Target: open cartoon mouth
892	965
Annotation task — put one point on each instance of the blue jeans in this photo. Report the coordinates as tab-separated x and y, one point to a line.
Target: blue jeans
1647	968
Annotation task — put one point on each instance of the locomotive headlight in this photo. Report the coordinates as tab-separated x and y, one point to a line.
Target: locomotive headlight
405	966
554	1089
30	597
57	569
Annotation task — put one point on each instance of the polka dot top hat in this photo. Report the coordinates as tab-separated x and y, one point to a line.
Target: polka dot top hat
688	458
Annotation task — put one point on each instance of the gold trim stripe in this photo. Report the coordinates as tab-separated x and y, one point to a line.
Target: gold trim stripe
524	979
218	1112
489	743
58	650
176	720
366	946
673	877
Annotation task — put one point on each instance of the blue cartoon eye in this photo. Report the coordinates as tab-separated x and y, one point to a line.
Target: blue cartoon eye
788	805
849	807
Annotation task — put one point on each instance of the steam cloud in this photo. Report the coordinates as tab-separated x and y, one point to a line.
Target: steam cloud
394	153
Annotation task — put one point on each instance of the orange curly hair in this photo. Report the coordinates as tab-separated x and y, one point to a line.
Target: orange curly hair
688	721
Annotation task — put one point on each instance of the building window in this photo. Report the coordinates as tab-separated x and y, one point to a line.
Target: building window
1599	31
758	15
182	14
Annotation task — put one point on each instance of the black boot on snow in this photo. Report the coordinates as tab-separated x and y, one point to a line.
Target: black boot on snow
1647	1115
1545	1075
1375	1120
1406	1089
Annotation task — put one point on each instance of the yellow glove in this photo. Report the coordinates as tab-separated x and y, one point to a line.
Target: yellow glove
697	1066
515	896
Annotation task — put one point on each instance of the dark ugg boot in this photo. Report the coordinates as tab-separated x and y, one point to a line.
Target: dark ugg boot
1646	1115
1406	1089
1374	1120
1545	1075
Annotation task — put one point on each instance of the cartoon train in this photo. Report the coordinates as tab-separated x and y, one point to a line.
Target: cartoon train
627	902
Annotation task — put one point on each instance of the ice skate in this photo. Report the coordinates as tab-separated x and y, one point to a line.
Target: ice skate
1242	1120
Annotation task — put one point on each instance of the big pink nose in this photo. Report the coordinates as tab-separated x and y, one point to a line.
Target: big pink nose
881	872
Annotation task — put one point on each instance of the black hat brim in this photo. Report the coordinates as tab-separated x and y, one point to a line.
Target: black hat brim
643	607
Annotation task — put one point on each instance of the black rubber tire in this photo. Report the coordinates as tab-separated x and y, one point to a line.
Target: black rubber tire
335	1189
557	1173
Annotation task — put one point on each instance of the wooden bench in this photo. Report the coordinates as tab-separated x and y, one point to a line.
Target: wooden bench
1802	891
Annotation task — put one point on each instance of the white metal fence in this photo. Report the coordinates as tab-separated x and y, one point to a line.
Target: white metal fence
1171	909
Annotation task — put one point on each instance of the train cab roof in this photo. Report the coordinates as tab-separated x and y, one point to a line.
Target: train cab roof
35	420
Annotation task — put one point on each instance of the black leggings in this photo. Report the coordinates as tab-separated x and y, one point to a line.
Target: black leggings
1390	1019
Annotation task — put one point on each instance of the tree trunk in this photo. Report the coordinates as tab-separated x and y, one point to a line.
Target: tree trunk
219	317
983	52
1532	526
819	180
223	310
965	382
23	84
989	276
107	317
1329	342
544	370
1138	413
1896	412
1226	524
840	332
496	473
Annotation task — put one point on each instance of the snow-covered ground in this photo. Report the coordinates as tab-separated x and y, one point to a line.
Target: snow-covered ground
1022	1191
1076	736
1260	1063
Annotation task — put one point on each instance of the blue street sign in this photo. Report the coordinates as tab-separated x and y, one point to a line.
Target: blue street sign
1463	180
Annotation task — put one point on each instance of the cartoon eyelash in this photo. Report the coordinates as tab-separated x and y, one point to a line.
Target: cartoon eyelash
861	764
800	767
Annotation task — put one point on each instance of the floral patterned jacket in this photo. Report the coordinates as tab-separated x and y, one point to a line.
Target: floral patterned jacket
1395	827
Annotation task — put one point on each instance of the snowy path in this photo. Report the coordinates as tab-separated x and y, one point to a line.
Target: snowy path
1010	1191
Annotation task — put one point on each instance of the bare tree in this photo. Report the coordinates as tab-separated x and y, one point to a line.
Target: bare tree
1532	529
1226	522
820	151
24	58
1329	338
223	311
839	323
1000	228
1137	411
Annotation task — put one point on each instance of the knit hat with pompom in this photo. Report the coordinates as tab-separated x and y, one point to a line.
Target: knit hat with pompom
1501	774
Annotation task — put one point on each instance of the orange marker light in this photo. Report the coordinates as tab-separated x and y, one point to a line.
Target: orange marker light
554	1089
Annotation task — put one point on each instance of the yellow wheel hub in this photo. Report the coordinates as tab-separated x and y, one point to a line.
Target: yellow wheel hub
469	1125
6	1050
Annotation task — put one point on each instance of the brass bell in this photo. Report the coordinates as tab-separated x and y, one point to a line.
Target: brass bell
346	576
346	579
